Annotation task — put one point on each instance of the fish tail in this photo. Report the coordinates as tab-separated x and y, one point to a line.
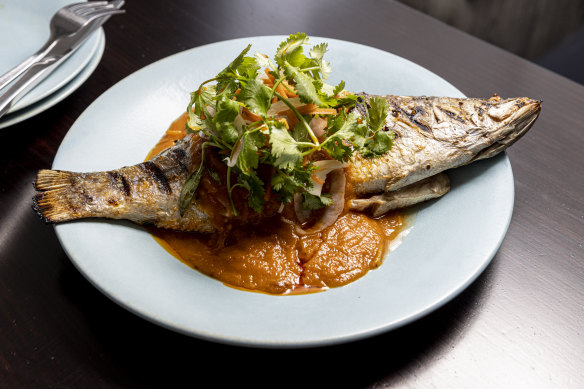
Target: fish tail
53	202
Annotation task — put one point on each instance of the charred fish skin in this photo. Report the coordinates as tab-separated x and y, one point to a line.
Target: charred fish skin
146	193
433	134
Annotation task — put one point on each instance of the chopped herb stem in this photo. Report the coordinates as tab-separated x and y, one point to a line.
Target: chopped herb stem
278	82
230	190
300	117
288	88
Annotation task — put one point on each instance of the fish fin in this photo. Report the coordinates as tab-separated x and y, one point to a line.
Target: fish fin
429	188
51	203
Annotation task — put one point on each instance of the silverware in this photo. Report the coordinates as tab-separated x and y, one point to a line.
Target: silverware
70	27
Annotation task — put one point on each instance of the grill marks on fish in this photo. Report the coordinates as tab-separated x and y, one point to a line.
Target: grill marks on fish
158	176
119	182
410	116
179	155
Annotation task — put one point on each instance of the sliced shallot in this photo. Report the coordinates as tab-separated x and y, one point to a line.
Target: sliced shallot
280	106
231	161
302	214
318	125
333	211
318	176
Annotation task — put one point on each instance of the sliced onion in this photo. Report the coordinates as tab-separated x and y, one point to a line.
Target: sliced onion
301	214
281	208
280	106
332	212
318	125
231	161
239	123
318	177
210	110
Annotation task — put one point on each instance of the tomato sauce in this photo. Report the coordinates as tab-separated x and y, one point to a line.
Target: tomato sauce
272	257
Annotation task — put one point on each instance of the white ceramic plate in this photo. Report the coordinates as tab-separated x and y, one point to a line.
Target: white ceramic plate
451	243
46	103
24	28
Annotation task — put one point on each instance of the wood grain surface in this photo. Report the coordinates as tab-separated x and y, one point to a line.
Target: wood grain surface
520	324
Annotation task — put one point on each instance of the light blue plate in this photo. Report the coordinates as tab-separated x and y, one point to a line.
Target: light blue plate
451	243
24	28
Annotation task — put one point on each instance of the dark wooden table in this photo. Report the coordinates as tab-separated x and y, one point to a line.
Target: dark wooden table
521	324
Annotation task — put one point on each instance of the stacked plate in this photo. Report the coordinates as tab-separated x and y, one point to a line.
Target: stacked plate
24	28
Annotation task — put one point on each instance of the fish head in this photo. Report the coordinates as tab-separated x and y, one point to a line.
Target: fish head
510	120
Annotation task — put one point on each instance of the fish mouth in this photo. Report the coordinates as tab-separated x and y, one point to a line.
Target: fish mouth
522	119
521	116
529	110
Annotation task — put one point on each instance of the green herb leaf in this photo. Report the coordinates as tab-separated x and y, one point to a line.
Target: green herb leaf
286	184
339	88
248	68
378	113
284	147
191	184
214	175
348	100
189	188
304	86
255	187
338	150
256	95
300	134
313	202
230	69
360	135
194	121
248	158
326	99
344	129
264	61
316	53
380	144
227	132
226	110
200	98
291	50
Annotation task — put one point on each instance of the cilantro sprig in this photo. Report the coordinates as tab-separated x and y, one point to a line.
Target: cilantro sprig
234	116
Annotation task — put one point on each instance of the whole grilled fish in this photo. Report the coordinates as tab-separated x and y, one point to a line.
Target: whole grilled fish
432	134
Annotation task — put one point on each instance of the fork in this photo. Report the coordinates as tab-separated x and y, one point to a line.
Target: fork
69	27
65	22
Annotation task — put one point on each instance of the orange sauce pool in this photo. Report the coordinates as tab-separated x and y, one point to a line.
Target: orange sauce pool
271	257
